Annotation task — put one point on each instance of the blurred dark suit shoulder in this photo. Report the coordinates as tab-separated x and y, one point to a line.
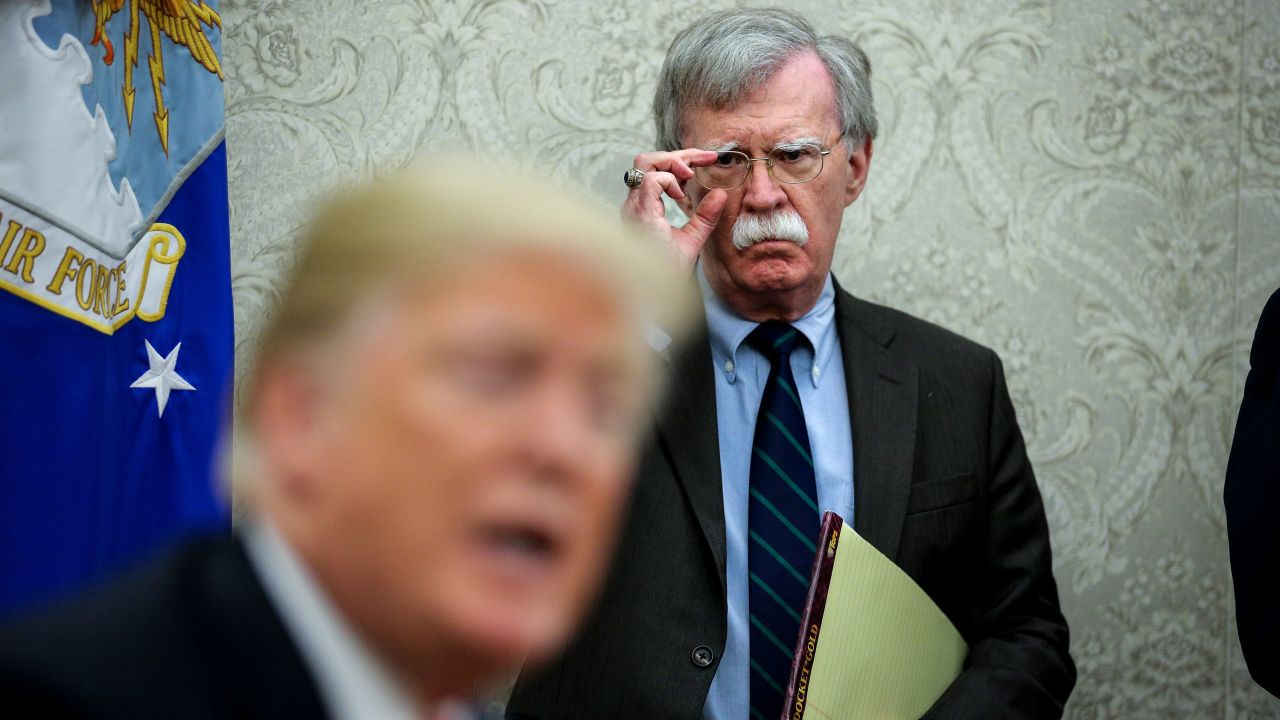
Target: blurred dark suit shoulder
1252	497
191	635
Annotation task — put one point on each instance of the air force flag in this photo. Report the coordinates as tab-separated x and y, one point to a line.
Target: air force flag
115	297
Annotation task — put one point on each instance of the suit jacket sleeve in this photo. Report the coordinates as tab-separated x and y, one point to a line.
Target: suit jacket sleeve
1018	664
1252	498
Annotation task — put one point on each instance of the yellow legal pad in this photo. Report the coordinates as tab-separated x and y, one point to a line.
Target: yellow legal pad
874	646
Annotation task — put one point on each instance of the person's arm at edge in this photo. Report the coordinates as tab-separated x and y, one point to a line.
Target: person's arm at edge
1252	499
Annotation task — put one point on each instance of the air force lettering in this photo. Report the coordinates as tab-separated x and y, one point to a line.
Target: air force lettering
115	289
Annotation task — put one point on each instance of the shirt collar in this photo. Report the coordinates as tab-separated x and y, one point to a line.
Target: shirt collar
352	680
728	329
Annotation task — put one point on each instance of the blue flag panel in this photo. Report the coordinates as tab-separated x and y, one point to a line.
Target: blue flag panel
115	292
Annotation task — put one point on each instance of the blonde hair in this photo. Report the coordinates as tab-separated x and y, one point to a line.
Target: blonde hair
405	226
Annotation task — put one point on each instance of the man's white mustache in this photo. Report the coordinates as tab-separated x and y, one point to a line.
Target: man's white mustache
778	225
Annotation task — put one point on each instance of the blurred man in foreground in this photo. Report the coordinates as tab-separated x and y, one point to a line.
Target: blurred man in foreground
438	438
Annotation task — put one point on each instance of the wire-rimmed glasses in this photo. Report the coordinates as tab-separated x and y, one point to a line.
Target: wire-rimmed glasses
791	163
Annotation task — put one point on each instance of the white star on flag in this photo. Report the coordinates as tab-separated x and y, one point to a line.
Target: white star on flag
162	376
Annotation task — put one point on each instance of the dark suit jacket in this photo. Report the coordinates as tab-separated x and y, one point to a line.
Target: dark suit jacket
192	636
942	487
1253	502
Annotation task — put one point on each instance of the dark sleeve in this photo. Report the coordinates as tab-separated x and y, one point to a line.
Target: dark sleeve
1019	667
42	673
1252	498
28	697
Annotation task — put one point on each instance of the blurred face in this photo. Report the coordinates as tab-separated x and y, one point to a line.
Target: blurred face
778	278
458	478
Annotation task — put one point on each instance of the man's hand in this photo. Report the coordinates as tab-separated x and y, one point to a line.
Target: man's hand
663	173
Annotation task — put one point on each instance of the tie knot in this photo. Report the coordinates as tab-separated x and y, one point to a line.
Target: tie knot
774	338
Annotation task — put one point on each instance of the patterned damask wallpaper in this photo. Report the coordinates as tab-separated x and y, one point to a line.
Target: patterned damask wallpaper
1090	187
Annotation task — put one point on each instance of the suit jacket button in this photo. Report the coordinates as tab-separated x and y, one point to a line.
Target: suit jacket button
702	656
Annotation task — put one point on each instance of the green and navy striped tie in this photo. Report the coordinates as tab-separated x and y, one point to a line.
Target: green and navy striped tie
782	522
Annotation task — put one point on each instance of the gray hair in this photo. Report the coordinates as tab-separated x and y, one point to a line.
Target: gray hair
721	58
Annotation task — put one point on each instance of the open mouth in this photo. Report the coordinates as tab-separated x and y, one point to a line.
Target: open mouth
522	551
523	541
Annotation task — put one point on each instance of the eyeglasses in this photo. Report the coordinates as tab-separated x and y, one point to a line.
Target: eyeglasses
791	164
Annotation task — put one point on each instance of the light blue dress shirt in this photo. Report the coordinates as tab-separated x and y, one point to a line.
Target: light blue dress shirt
740	377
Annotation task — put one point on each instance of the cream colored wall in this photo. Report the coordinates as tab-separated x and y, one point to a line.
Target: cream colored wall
1090	187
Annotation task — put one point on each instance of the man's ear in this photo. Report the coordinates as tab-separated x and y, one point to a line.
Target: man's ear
287	415
859	166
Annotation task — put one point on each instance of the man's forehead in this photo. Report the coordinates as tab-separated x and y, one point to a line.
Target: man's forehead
613	352
745	136
797	99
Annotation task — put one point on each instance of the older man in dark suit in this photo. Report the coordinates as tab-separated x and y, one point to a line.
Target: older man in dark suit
438	440
800	398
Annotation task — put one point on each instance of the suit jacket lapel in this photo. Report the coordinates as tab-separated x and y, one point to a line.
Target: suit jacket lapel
882	401
687	428
261	669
